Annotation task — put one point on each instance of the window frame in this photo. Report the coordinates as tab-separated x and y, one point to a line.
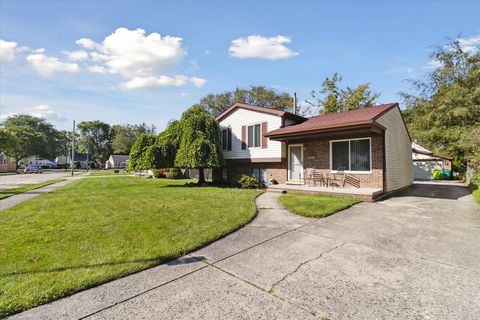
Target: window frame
224	141
253	138
349	156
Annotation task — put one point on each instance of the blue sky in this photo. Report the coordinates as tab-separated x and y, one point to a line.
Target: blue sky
290	46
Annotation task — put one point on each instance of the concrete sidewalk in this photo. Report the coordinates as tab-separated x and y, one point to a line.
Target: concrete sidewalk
21	197
414	256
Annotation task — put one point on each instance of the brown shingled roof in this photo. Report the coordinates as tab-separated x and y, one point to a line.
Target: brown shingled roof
335	120
275	112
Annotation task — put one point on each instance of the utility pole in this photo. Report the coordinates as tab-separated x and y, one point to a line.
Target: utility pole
72	160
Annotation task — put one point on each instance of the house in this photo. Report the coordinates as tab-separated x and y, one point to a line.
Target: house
41	162
82	160
425	161
371	145
117	161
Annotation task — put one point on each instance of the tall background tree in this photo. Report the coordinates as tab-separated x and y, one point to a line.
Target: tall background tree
332	98
255	95
96	139
138	159
25	136
125	135
444	112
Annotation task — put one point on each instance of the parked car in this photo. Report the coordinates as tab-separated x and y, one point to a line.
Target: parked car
33	168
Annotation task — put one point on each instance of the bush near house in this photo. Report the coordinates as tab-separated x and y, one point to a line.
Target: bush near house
175	173
249	182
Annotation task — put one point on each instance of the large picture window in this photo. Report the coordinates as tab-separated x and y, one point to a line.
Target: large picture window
351	155
254	136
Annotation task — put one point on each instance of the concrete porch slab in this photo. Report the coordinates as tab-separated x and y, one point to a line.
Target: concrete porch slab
365	194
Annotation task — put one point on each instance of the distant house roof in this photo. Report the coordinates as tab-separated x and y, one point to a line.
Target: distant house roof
119	157
239	105
416	148
351	118
82	157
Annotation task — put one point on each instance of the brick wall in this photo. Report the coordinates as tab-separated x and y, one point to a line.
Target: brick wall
275	170
317	155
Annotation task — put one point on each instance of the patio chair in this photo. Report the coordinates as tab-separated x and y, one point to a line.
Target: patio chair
309	172
318	177
338	178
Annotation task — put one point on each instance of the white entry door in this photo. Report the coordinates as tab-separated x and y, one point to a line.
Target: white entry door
295	162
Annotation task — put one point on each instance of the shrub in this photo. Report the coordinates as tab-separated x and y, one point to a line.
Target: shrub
159	173
116	171
175	173
248	182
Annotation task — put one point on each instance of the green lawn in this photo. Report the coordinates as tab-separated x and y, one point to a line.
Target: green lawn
107	172
475	191
11	192
317	206
95	230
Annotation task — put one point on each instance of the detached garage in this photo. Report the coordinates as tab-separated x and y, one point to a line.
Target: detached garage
425	161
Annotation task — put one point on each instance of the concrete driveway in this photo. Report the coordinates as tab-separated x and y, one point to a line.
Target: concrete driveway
413	256
18	180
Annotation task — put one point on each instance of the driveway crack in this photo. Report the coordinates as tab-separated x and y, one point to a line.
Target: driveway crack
272	288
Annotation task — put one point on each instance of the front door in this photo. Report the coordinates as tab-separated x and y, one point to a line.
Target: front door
295	162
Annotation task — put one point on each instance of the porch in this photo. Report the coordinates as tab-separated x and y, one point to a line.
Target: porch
364	194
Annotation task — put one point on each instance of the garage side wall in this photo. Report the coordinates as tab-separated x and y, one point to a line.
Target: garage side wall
398	151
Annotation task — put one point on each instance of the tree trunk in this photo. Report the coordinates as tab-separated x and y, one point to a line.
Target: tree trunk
201	176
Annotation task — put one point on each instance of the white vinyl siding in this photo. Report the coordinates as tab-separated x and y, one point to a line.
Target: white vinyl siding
242	117
398	151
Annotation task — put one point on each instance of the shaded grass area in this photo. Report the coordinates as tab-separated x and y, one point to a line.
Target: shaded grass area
108	172
475	191
11	192
317	206
95	230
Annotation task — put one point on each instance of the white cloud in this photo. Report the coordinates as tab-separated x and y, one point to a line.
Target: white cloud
39	111
96	69
46	66
132	54
403	70
44	111
79	55
144	60
433	64
7	50
272	48
198	82
154	82
471	44
87	43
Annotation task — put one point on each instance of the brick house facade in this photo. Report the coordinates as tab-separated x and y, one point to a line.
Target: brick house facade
280	146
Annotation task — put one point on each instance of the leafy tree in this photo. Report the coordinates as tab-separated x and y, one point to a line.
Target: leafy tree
96	139
200	141
331	98
255	95
444	116
137	159
125	135
25	136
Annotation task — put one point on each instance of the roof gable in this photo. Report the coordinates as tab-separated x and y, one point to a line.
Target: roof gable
279	113
351	118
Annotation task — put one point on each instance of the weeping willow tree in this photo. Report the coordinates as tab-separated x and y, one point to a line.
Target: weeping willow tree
199	146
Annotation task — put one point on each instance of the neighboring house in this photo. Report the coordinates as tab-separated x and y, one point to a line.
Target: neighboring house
425	161
371	144
84	160
61	160
41	162
117	161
